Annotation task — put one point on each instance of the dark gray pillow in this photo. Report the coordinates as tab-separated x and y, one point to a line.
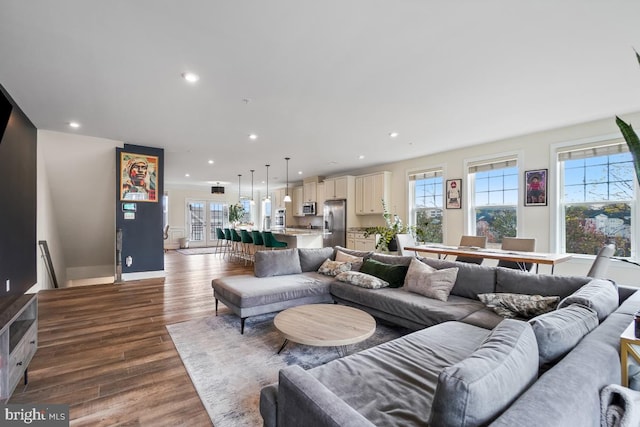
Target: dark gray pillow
522	282
559	331
392	259
599	294
312	258
472	279
475	391
277	263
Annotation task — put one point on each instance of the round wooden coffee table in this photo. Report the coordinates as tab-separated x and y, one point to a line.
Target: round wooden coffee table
325	325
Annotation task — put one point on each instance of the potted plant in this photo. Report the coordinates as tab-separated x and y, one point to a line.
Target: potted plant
632	138
387	233
236	213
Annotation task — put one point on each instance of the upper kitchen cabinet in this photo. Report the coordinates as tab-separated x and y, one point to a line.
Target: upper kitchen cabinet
370	191
337	188
320	198
278	199
310	191
297	200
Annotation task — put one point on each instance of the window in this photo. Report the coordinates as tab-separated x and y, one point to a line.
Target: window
597	198
494	198
425	209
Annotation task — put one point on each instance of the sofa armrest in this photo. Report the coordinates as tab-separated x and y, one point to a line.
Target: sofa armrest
304	401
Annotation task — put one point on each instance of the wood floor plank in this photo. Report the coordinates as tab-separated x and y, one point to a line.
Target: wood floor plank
105	350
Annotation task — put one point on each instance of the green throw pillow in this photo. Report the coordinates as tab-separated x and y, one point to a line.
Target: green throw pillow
392	274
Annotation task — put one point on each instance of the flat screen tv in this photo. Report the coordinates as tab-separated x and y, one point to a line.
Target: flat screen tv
5	113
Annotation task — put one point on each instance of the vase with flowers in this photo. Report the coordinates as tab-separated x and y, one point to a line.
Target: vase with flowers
387	233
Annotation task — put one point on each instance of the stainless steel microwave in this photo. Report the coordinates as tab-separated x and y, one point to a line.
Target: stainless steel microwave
309	208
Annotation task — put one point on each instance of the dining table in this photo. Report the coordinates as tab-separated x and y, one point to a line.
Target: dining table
521	258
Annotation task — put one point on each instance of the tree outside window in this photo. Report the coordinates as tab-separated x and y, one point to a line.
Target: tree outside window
495	202
426	202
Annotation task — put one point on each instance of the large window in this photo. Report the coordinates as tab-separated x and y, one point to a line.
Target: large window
494	198
597	199
426	200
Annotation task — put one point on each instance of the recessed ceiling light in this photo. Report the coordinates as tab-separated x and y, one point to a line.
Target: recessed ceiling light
393	134
74	125
333	162
253	136
299	172
361	156
210	162
190	77
187	175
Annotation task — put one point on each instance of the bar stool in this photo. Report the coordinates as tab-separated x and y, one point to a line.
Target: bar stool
247	242
236	241
257	241
227	237
272	242
222	241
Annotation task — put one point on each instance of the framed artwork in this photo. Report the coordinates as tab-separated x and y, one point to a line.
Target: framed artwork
536	187
138	177
454	194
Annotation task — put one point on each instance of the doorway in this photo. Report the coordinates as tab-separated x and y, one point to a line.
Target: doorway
202	218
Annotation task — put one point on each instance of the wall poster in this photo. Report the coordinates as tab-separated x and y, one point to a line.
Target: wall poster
138	177
454	193
536	181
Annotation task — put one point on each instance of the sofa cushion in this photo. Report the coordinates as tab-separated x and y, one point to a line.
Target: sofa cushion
428	281
360	254
599	294
312	258
391	273
363	280
519	305
472	279
277	263
333	268
392	259
522	282
356	261
558	331
476	390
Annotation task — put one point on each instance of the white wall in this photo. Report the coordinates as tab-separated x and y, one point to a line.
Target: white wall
77	209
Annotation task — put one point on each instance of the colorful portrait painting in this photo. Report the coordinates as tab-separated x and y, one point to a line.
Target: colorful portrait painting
454	194
138	177
536	181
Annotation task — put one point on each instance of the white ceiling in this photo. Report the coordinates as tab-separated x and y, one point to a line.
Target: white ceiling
327	81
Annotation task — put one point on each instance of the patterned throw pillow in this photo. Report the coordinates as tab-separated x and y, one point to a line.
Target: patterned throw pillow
356	262
333	268
432	283
519	305
361	279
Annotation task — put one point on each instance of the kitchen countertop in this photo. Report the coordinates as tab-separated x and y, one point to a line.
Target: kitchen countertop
298	232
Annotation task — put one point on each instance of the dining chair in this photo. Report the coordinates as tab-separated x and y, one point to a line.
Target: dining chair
404	240
601	262
272	242
519	245
475	241
165	237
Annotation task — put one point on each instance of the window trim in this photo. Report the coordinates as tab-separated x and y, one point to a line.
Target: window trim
409	197
469	218
555	189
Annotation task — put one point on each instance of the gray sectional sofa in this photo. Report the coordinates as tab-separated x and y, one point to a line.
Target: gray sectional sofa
464	365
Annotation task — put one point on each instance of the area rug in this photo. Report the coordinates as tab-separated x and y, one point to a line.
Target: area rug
197	251
228	370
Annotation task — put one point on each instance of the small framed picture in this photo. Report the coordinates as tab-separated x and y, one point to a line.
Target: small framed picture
536	187
454	194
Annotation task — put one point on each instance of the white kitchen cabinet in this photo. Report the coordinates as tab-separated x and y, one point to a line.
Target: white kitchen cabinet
336	188
278	200
357	241
310	191
370	191
320	198
297	199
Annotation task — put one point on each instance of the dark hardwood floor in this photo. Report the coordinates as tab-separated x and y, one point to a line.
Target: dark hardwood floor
104	350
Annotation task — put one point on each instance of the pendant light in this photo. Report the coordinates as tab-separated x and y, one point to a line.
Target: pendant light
239	198
252	202
287	198
267	197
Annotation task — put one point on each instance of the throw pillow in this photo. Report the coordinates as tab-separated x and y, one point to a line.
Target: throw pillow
432	283
277	263
557	332
476	390
361	279
519	305
333	268
312	258
599	294
356	262
393	274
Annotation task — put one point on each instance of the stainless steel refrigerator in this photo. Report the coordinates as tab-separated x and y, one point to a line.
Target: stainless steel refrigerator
334	232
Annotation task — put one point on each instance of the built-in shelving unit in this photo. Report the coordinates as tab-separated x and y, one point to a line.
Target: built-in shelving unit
18	342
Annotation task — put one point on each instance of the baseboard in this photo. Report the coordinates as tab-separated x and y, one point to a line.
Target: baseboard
143	275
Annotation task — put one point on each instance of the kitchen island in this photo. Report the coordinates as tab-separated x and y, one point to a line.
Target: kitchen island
300	237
